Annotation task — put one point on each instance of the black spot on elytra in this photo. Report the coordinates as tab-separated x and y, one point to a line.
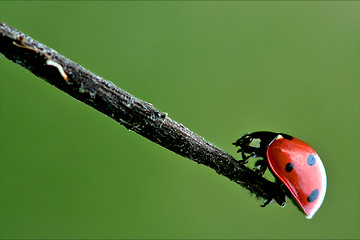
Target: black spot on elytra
313	195
289	167
311	160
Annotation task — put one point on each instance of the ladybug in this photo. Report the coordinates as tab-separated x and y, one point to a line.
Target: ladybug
296	166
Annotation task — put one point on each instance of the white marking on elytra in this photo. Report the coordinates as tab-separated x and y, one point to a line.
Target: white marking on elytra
279	137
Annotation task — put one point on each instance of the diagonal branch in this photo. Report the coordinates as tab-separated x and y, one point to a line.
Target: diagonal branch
131	112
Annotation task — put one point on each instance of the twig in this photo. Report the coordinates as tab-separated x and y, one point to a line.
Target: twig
136	115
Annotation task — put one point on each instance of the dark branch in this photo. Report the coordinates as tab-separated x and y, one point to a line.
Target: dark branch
136	115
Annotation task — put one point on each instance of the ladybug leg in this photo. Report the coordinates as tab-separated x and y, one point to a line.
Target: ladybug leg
261	166
266	203
280	196
245	158
280	199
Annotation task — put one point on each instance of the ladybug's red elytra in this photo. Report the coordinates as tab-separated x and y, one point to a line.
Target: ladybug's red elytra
294	164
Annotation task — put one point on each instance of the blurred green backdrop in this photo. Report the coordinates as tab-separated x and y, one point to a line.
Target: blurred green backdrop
222	69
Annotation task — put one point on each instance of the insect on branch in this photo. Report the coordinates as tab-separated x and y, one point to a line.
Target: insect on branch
134	114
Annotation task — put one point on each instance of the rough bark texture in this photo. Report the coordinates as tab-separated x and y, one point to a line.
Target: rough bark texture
136	115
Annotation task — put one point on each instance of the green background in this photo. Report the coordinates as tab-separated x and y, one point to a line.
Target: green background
220	68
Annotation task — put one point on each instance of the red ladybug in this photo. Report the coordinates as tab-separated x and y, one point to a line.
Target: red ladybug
293	162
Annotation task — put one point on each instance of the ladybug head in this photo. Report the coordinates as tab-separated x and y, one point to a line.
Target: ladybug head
244	141
255	143
249	144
